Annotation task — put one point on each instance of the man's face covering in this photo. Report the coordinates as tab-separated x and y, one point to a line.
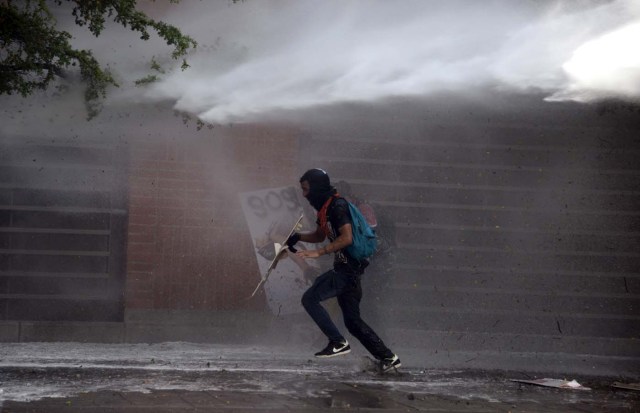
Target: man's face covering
316	187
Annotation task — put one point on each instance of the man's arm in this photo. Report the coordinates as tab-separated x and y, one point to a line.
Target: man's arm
345	238
313	237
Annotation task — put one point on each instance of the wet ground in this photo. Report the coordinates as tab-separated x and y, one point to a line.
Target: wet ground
184	377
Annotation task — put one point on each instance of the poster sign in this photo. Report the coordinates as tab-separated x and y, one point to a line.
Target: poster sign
270	215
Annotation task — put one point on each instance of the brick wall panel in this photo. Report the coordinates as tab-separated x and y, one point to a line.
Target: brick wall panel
189	246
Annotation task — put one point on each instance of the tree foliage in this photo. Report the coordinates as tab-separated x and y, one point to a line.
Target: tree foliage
33	52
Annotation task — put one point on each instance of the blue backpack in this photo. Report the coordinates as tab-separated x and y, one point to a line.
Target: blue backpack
365	241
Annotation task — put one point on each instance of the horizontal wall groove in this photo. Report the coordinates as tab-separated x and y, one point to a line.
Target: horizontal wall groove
527	189
496	208
342	140
554	252
60	187
55	252
56	297
75	210
482	270
518	230
41	274
21	141
496	291
519	335
479	166
20	230
44	165
516	313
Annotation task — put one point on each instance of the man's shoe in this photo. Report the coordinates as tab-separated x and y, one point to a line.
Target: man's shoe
334	348
390	363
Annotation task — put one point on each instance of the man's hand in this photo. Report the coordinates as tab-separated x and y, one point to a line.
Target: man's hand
309	253
344	240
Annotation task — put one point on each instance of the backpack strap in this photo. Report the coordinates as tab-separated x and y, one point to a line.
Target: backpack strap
323	213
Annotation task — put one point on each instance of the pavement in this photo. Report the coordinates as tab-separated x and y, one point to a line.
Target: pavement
184	377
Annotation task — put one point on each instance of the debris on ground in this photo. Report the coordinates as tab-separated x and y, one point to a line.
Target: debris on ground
556	383
626	386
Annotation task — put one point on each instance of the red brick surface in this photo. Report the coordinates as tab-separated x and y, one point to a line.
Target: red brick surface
188	244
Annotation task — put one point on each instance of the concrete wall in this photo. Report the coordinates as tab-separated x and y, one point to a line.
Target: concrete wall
516	229
62	228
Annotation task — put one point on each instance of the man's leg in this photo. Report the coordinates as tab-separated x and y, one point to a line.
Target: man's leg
349	301
323	288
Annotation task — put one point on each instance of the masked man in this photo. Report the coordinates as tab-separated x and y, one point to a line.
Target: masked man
343	281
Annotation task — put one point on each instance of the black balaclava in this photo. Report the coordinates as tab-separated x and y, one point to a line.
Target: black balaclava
320	188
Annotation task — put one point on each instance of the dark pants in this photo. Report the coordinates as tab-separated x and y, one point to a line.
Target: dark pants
346	287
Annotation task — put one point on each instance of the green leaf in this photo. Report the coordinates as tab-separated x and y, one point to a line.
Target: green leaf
35	53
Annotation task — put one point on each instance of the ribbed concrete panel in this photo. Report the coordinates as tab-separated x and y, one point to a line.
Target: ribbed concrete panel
516	227
62	222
